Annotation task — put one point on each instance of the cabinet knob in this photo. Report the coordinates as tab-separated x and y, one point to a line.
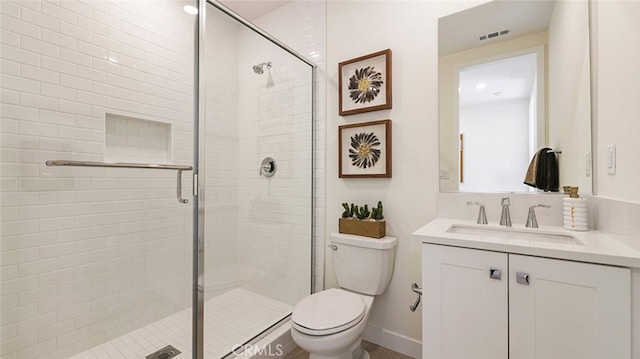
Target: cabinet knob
522	278
495	273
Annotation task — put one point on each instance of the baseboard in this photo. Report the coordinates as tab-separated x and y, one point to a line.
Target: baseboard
394	341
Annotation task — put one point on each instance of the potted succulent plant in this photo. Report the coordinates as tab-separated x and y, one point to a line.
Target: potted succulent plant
359	220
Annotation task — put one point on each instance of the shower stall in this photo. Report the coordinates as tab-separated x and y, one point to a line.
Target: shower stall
157	180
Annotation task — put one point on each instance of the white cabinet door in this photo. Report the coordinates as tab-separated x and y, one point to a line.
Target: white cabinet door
568	310
464	312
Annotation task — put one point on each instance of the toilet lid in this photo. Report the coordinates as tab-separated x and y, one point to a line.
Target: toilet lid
327	312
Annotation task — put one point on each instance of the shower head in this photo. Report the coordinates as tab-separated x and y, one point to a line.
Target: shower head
259	69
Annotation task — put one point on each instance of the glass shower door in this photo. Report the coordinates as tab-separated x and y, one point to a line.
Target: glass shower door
95	261
258	182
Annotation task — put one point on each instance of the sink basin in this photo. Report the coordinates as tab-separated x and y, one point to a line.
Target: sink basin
534	235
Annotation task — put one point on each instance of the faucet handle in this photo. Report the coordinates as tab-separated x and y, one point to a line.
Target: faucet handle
482	215
532	221
505	216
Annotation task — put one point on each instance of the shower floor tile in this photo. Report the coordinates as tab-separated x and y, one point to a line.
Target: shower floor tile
231	319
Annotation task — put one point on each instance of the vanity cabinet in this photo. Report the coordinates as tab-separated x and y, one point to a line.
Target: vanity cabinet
482	304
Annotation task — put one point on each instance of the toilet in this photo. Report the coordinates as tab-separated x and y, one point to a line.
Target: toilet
329	324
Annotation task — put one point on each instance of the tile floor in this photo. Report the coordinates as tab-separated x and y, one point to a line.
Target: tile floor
376	352
231	319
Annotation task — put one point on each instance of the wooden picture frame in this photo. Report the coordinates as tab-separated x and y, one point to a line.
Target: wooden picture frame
364	150
364	83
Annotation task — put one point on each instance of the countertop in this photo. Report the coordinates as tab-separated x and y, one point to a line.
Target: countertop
595	247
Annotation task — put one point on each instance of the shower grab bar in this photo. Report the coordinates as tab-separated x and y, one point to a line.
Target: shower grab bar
153	166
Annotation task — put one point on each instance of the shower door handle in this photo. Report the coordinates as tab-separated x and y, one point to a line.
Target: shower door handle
179	188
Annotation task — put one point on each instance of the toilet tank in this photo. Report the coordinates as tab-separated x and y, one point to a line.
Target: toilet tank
363	264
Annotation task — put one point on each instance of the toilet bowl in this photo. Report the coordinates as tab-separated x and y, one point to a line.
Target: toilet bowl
329	324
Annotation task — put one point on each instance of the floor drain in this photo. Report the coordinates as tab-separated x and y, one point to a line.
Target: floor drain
167	352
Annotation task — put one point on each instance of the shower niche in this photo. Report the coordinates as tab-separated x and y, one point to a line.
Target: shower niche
132	139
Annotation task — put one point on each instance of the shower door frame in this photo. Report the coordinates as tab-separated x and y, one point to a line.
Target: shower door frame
199	162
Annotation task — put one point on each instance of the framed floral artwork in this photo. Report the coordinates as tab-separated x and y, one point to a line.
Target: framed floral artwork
364	150
364	83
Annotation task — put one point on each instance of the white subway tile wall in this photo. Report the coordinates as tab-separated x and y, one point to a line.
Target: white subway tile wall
135	139
259	228
88	254
619	219
223	269
308	18
276	122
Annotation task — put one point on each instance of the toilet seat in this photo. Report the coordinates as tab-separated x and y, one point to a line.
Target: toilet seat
328	312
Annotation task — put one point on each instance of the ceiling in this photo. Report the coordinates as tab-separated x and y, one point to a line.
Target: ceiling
460	31
251	9
507	79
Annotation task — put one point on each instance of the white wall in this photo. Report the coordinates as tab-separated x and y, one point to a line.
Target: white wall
569	91
409	29
618	97
617	35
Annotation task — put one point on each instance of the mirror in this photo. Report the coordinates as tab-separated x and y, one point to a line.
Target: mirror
514	77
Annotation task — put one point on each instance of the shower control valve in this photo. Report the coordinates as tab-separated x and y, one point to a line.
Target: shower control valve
268	167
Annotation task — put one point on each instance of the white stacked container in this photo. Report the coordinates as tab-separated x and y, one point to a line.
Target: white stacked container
575	211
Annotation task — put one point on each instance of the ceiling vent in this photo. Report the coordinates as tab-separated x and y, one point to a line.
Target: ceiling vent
493	35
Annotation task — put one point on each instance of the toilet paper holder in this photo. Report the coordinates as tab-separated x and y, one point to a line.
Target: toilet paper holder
418	291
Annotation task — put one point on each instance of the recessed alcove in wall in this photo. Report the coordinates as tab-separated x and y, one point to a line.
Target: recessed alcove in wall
131	139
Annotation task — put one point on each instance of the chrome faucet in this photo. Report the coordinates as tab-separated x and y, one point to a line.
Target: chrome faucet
532	222
482	215
505	217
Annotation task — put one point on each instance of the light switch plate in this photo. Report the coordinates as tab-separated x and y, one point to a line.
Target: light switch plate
587	164
611	159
